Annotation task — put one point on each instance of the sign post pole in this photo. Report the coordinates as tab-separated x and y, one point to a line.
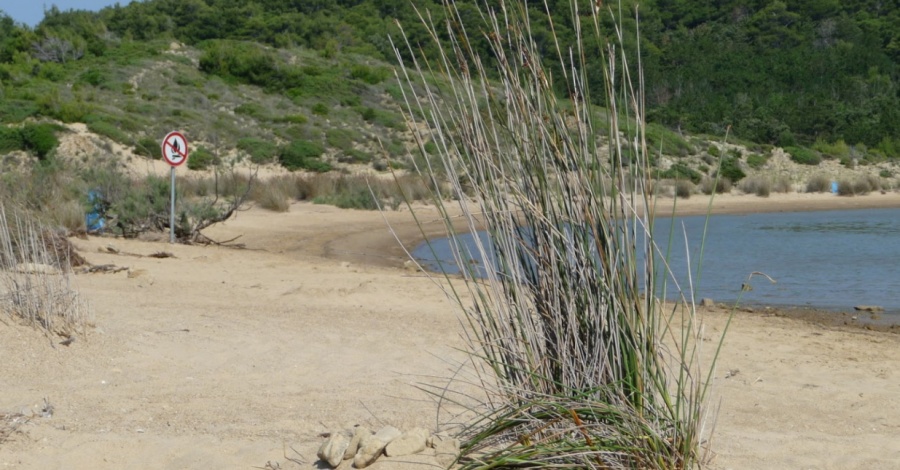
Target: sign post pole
172	209
175	152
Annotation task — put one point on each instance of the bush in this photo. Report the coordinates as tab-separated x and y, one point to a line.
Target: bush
757	161
272	195
804	156
148	147
358	197
720	185
680	171
860	186
260	151
839	149
757	185
783	185
370	75
11	139
292	119
818	184
253	110
342	139
320	109
303	154
201	158
684	189
730	168
40	139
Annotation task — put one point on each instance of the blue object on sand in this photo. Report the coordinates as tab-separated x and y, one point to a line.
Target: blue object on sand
94	220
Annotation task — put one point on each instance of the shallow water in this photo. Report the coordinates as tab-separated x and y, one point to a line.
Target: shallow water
828	259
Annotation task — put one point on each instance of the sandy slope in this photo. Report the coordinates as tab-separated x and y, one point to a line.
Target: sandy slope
226	358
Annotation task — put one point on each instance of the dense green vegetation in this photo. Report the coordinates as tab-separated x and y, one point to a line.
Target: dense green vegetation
777	72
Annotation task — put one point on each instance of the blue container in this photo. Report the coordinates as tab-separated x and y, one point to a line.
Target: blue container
94	220
834	187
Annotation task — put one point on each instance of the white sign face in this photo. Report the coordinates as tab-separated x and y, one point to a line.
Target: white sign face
175	149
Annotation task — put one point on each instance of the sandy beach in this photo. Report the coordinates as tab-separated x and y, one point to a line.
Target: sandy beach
219	357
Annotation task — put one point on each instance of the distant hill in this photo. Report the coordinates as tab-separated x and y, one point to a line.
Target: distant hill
310	84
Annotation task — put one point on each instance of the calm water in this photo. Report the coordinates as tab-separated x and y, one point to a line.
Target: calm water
830	260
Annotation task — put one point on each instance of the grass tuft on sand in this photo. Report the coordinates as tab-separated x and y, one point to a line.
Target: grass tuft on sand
579	367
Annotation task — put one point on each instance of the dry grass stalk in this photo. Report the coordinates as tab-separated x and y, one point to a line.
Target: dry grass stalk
581	370
36	276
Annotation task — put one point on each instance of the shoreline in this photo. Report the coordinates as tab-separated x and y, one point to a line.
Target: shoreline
411	236
389	251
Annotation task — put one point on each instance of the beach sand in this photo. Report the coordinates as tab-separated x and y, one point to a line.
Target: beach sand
240	358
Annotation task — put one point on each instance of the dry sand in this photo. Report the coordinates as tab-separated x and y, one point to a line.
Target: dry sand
239	358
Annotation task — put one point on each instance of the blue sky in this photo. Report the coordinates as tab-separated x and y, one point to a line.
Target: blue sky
31	12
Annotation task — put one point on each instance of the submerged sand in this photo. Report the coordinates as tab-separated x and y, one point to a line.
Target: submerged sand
238	358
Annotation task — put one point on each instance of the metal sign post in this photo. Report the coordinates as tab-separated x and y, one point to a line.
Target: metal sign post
175	153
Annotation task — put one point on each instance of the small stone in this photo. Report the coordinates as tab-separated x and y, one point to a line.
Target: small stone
409	443
446	449
332	450
869	308
707	303
358	435
371	447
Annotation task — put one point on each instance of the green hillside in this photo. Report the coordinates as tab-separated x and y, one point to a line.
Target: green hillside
309	85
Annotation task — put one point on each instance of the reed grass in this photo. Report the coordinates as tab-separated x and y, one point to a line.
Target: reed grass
36	280
580	364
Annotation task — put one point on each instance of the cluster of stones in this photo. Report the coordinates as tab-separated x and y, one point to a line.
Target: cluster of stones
365	447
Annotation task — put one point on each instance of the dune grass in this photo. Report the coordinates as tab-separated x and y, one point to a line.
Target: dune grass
581	365
36	284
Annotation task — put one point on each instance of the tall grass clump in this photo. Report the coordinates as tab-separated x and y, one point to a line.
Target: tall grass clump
36	284
581	365
818	183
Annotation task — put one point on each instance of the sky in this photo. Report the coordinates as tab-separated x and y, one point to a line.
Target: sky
31	12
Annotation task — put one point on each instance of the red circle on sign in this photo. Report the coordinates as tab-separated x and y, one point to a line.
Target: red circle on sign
175	148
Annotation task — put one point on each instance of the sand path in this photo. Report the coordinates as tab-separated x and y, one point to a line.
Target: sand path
226	358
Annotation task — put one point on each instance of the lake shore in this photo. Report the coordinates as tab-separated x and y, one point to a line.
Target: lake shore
233	358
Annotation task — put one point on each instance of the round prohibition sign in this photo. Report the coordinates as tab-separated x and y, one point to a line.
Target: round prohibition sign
175	149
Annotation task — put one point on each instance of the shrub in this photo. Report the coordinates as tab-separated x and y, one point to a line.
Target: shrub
857	187
40	139
758	185
292	119
719	185
342	139
253	110
730	168
757	161
783	185
713	151
272	195
201	158
370	75
819	184
350	198
303	154
355	156
11	139
680	171
839	149
804	156
148	147
319	109
684	189
260	151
